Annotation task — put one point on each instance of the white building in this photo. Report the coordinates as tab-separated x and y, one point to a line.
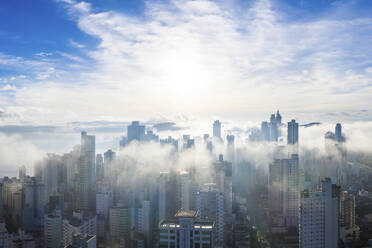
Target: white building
184	231
318	224
52	230
78	224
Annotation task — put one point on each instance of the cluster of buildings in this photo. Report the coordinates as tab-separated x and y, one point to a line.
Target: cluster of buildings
84	199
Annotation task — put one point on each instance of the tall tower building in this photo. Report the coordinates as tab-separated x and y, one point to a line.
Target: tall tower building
34	201
283	190
347	210
210	205
86	172
338	132
217	129
52	231
278	118
104	199
168	194
99	167
274	133
265	131
136	131
22	172
292	135
318	224
120	223
109	157
222	177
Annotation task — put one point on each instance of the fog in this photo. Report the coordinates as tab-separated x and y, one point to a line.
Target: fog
16	151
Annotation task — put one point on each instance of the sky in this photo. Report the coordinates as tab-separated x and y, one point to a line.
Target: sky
68	65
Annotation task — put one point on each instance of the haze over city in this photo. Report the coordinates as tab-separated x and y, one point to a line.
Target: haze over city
130	116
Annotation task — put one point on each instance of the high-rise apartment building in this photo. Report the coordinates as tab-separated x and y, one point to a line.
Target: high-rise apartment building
185	231
119	221
318	223
104	200
168	194
283	190
34	202
53	231
87	173
222	177
347	210
210	205
99	167
292	134
217	129
136	131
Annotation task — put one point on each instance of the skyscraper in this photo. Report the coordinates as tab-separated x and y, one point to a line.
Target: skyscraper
274	133
34	201
210	205
22	172
109	157
52	231
347	210
230	139
283	190
292	135
278	118
217	129
168	195
222	177
120	223
318	222
265	131
87	173
338	132
99	167
136	131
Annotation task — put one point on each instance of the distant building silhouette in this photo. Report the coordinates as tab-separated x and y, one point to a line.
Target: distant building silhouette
338	132
217	129
292	135
136	131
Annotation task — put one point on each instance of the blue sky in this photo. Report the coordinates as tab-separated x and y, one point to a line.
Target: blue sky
69	60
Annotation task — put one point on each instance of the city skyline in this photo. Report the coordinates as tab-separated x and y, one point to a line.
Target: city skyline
185	123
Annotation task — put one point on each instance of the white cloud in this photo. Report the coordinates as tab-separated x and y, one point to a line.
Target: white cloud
200	58
76	44
43	54
15	152
8	87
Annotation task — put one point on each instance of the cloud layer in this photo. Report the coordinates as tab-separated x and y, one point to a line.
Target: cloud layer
200	58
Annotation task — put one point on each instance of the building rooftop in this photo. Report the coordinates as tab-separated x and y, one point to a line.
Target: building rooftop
186	213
